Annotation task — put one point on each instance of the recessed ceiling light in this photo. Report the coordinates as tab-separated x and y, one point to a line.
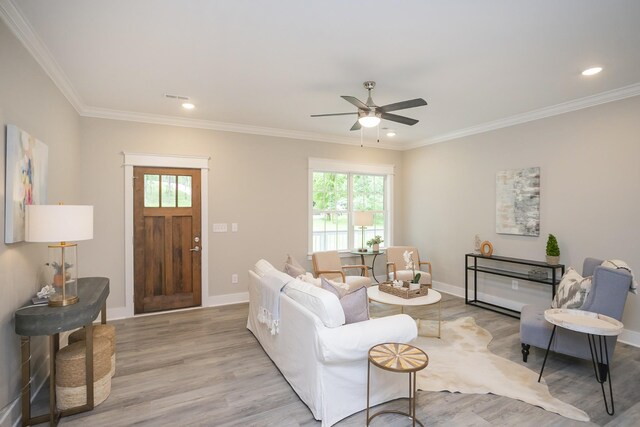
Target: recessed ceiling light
391	133
591	71
188	106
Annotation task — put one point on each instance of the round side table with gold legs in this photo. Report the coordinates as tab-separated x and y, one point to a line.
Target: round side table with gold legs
397	357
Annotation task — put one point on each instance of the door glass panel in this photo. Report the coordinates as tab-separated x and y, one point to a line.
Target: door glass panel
151	191
168	191
184	191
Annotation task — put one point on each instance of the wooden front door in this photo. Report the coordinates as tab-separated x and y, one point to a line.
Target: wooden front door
167	239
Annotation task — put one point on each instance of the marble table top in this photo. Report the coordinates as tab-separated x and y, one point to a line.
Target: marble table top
584	321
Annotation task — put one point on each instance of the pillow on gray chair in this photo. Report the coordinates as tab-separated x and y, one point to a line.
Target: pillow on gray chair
572	290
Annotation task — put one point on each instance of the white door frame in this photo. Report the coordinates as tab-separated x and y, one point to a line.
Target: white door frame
167	161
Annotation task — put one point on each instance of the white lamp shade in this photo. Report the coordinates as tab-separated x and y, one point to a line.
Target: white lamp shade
363	219
58	223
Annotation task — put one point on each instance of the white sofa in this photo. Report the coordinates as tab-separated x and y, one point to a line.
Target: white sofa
327	366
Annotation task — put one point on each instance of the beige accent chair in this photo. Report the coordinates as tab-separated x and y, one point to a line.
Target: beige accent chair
327	264
396	265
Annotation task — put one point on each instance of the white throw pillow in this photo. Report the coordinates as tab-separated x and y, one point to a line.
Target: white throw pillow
262	266
572	291
322	303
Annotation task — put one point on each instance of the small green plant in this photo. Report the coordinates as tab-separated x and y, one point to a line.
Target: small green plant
375	241
552	246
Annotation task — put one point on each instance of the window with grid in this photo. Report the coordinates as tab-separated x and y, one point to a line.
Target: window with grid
335	196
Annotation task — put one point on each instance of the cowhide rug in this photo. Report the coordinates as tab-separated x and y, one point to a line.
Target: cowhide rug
461	362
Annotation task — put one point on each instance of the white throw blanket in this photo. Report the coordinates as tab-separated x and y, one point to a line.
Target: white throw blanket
269	311
615	264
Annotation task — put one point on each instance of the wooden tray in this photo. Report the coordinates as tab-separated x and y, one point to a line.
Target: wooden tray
404	291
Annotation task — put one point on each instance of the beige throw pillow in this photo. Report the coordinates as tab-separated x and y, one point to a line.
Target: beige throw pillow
572	291
292	267
355	304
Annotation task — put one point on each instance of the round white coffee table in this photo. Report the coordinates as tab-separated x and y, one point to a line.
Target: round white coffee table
595	326
432	297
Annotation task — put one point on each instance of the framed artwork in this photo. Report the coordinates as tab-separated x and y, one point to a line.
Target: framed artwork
26	180
518	202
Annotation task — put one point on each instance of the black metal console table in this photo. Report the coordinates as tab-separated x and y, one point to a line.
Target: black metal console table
487	265
42	320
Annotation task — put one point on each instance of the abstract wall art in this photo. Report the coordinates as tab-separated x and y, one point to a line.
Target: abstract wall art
26	179
518	202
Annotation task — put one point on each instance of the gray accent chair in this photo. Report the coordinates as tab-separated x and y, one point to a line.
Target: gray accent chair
608	295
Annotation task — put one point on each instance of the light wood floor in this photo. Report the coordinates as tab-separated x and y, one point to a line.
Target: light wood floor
203	367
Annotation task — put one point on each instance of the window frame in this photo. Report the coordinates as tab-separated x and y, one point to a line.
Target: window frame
351	168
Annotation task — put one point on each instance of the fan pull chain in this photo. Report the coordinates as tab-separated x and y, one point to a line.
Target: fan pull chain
378	132
361	136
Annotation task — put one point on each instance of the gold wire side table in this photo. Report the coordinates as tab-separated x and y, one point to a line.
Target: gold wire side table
397	357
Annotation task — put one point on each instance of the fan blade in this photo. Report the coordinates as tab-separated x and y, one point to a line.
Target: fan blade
332	114
356	126
355	101
418	102
399	119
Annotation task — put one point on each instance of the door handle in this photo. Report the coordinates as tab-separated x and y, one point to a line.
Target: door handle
196	249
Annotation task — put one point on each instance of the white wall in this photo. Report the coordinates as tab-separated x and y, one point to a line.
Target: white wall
257	181
29	100
590	194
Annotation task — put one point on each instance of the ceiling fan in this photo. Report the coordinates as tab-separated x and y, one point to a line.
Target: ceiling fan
369	114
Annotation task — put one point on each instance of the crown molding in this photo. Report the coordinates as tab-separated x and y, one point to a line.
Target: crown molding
541	113
28	37
103	113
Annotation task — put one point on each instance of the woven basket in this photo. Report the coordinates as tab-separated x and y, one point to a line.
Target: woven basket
100	331
404	291
71	390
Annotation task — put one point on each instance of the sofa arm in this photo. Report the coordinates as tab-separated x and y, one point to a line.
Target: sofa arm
353	342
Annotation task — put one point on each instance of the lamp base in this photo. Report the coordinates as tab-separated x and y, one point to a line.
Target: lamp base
58	301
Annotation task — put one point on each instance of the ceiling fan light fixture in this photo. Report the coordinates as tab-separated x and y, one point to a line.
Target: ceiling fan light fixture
391	133
188	106
369	119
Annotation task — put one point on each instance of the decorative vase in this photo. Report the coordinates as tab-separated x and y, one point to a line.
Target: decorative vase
553	260
376	247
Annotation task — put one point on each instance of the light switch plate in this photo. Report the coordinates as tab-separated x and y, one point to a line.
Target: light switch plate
234	226
220	227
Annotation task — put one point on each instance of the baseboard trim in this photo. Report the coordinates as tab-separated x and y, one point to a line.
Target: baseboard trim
227	299
627	336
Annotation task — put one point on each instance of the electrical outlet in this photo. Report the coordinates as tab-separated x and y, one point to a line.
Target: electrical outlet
234	278
514	285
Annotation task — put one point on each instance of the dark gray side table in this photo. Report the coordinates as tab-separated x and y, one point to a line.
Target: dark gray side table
42	320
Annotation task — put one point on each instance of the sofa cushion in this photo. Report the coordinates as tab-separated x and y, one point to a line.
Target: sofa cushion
572	290
320	302
355	304
292	267
262	266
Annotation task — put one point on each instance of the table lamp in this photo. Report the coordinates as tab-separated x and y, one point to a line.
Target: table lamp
62	224
363	219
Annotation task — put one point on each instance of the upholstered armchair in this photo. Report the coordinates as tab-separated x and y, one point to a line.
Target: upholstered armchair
609	289
396	266
327	264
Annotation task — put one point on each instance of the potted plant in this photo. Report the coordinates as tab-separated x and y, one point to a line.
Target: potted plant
375	243
553	251
410	265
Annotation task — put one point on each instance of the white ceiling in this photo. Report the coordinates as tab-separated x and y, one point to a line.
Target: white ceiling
265	66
